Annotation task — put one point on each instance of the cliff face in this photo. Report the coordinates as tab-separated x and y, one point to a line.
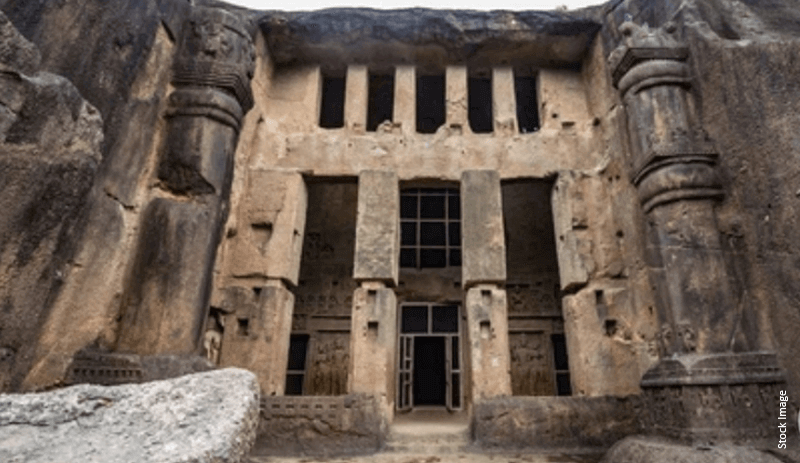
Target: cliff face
744	56
72	212
50	143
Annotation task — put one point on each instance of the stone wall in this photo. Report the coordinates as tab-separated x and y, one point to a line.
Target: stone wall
321	426
554	422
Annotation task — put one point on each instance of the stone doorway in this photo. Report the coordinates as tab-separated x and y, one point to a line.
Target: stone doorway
429	347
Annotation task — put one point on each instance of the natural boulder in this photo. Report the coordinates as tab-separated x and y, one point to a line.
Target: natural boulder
205	417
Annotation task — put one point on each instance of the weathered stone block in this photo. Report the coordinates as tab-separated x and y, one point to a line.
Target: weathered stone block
562	99
456	101
319	425
587	235
206	417
405	98
165	306
355	98
607	354
484	249
377	227
198	155
639	449
555	422
372	344
257	337
487	334
504	101
570	223
270	227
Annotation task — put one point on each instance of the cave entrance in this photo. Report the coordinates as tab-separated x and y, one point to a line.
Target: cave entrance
429	373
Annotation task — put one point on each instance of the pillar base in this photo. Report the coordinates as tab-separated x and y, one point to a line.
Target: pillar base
372	344
704	398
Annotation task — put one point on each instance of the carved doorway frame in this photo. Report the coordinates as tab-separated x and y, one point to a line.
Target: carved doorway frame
453	374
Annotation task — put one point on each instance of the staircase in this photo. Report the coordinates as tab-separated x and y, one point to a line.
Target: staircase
433	432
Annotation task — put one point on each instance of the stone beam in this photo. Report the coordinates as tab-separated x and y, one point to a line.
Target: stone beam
377	228
483	240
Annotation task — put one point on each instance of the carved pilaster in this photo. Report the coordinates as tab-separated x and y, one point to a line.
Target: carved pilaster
694	391
166	300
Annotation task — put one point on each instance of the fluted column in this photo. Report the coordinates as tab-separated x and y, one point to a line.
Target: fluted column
165	302
710	384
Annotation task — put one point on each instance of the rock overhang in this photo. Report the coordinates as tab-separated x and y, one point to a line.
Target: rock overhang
428	38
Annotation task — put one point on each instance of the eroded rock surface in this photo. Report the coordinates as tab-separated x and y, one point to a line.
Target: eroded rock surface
205	417
50	141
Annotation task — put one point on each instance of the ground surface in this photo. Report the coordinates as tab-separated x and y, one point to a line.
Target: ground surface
467	457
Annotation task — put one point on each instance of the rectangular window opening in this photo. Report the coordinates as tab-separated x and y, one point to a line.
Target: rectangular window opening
430	228
331	114
527	106
430	103
295	374
561	363
380	106
480	104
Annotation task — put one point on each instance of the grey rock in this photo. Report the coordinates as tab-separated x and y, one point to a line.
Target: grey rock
646	450
339	35
205	417
16	52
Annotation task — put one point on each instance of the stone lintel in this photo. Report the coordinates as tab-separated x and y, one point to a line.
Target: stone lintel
483	240
487	334
377	227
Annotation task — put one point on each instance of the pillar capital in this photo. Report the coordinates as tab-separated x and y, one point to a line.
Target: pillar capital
216	50
648	56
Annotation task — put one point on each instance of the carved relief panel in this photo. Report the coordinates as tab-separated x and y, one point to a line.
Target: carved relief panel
532	371
329	354
536	296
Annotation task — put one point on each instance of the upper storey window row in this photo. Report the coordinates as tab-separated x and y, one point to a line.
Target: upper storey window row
483	100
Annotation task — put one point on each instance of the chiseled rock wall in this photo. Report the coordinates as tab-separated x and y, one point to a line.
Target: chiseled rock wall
204	417
554	422
320	425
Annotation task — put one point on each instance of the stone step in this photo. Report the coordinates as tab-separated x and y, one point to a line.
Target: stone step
446	442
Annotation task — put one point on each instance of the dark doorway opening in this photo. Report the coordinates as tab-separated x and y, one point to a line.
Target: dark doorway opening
429	374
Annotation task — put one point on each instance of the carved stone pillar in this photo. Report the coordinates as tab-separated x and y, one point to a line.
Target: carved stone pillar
483	277
373	335
710	384
165	302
